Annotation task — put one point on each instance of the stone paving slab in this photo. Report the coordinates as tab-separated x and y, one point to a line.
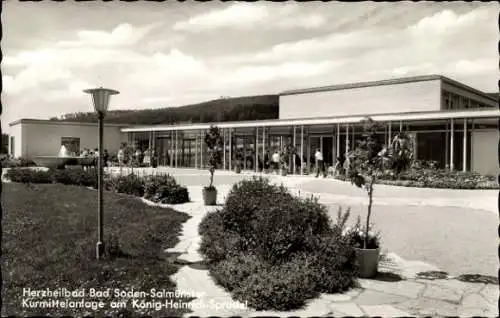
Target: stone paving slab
347	309
491	293
475	304
442	293
374	297
428	307
383	311
404	288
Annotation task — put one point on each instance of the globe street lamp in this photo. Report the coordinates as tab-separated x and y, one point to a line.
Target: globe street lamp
100	99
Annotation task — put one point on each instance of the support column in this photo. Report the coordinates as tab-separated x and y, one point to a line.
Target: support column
172	152
302	149
346	139
224	149
333	148
338	140
400	126
390	133
263	143
464	162
195	151
308	150
294	146
230	150
244	153
447	146
176	148
452	145
255	148
201	148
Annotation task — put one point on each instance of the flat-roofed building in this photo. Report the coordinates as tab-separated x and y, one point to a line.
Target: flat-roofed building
452	123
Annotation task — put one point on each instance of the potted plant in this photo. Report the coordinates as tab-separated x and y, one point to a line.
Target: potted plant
369	161
213	140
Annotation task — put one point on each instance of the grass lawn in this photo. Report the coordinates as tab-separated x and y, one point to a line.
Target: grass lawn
49	236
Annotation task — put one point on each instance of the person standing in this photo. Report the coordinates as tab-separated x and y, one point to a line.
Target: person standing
276	161
105	156
138	155
320	165
147	157
121	157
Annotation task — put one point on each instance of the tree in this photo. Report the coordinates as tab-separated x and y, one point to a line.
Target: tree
371	159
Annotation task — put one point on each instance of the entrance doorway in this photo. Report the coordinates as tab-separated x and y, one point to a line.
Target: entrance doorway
325	144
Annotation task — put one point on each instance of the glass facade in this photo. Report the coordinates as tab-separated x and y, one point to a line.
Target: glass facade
187	149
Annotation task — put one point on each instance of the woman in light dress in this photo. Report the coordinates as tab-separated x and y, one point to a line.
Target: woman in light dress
147	157
121	156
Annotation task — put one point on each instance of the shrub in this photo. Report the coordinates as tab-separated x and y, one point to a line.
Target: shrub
128	184
334	259
80	177
164	189
229	273
218	243
282	287
274	250
8	162
272	223
24	175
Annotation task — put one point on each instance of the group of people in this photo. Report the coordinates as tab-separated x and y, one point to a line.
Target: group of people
148	157
89	153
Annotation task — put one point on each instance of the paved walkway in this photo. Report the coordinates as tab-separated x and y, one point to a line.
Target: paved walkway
397	291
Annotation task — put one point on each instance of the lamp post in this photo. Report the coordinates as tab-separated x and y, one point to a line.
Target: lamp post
100	99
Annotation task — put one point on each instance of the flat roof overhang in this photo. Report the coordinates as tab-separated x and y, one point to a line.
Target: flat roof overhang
415	116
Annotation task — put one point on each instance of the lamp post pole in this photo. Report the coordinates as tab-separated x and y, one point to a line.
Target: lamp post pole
100	186
100	99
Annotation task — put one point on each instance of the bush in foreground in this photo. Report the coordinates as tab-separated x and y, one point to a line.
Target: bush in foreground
79	177
275	250
23	175
128	184
8	162
163	188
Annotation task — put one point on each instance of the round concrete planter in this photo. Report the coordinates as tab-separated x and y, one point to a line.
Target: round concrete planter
367	260
210	196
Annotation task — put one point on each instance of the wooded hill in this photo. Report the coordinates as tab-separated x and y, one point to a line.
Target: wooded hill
219	110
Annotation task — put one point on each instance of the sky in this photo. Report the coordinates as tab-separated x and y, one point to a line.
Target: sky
176	53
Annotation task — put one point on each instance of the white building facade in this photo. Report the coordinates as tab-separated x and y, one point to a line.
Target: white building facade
452	123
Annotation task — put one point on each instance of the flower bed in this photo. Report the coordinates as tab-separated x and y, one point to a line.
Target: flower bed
438	178
274	250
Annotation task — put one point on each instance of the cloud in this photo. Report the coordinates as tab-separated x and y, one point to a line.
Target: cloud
123	35
291	46
253	15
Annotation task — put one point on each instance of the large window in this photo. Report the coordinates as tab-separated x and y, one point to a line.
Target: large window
71	143
452	101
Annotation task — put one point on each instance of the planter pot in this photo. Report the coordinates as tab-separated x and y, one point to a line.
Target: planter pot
283	172
210	196
367	261
238	169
